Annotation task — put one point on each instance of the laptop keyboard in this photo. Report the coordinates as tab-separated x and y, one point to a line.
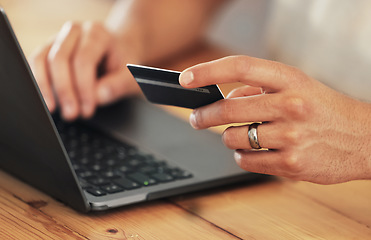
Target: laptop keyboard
106	166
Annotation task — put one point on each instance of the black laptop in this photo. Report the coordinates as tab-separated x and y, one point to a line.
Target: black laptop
130	152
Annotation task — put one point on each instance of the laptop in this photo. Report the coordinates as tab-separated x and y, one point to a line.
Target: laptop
130	152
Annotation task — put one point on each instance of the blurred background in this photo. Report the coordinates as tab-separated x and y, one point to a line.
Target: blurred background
319	37
36	21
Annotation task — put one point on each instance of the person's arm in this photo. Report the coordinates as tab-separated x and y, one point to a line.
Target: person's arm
313	133
137	31
161	28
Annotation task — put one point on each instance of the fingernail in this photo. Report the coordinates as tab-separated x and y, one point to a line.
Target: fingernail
192	120
237	158
187	77
104	94
67	110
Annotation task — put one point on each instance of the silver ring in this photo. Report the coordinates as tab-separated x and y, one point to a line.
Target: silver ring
253	136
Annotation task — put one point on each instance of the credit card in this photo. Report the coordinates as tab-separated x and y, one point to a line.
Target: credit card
162	86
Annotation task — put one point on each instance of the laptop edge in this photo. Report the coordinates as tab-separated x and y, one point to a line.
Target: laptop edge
20	101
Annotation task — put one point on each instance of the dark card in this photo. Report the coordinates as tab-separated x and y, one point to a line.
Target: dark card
162	87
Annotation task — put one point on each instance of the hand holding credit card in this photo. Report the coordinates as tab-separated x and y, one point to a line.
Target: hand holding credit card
162	87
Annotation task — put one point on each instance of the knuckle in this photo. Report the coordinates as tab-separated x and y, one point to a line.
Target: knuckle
293	136
241	65
294	107
57	57
291	164
299	76
278	69
93	26
58	54
283	71
95	30
71	26
296	72
53	62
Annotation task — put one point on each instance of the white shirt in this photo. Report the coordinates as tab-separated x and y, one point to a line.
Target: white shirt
328	39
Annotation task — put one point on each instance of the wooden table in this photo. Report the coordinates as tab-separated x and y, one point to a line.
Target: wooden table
278	209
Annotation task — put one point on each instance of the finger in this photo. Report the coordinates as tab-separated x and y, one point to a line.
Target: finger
89	53
244	91
270	135
38	63
265	162
258	108
272	76
115	85
60	70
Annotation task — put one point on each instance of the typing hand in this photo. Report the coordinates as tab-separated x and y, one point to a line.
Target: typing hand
313	133
67	69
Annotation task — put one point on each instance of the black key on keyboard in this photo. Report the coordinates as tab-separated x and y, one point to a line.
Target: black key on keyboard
98	181
105	165
85	174
180	174
97	167
162	177
126	183
124	169
109	173
112	188
96	192
142	179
